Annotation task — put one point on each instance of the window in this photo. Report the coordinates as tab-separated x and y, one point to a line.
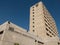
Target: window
33	26
44	16
33	30
47	29
8	22
58	43
50	31
47	34
45	20
40	42
33	12
33	7
33	18
33	15
33	22
11	28
50	36
35	40
16	43
46	24
36	5
1	32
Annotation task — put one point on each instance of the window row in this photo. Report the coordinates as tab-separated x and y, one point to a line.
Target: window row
52	26
49	28
49	20
33	20
48	35
39	42
50	31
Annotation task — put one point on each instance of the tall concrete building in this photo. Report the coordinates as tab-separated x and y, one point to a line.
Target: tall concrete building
42	23
42	30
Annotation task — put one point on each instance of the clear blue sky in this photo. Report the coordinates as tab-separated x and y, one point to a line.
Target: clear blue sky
17	11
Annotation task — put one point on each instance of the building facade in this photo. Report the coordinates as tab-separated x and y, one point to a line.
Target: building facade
41	21
11	34
42	30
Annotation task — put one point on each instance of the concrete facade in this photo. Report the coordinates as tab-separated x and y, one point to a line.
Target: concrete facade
14	34
42	30
42	24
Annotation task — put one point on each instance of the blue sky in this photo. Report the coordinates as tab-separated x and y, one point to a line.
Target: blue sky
17	11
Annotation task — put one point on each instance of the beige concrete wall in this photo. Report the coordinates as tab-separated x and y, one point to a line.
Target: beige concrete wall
40	12
39	21
12	37
18	35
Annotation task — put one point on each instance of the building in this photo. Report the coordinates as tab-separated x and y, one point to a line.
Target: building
42	30
11	34
42	23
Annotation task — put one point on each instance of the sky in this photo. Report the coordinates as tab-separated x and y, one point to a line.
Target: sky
18	11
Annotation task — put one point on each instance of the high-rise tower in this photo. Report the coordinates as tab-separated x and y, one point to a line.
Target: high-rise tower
42	23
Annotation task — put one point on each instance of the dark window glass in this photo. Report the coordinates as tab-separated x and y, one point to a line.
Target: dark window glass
33	15
33	22
58	43
45	20
33	30
47	29
47	34
16	43
8	22
1	32
33	12
35	40
33	26
33	7
33	18
50	36
50	31
46	24
36	5
40	42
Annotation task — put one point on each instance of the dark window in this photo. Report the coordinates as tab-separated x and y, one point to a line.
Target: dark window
33	26
33	18
35	40
47	29
33	7
50	31
33	12
8	22
33	15
46	24
58	43
50	36
16	43
33	22
45	20
45	16
36	5
33	30
40	42
47	34
1	32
